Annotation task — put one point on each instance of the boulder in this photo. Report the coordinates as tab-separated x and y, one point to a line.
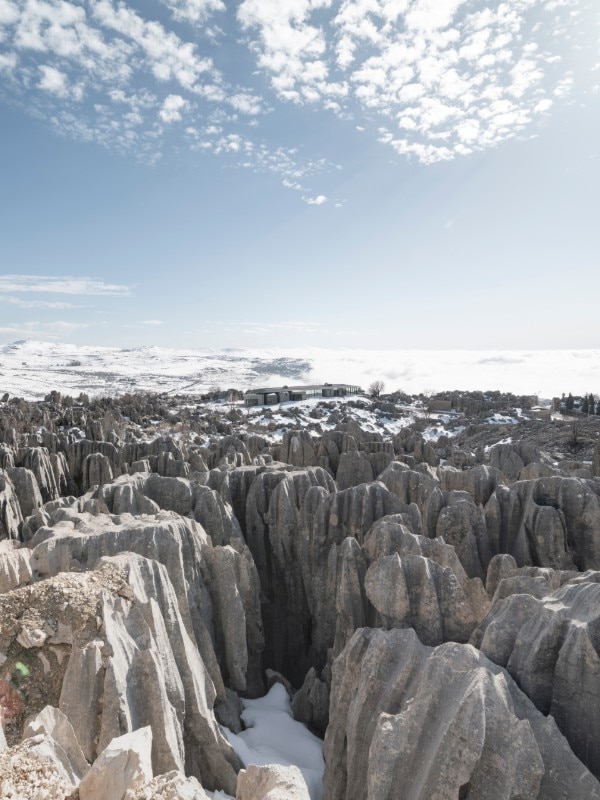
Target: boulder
123	766
271	782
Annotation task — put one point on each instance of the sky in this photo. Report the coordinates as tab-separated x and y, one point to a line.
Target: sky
361	173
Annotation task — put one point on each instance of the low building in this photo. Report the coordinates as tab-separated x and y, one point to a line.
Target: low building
285	394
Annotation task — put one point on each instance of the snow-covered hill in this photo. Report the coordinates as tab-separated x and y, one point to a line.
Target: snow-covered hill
31	369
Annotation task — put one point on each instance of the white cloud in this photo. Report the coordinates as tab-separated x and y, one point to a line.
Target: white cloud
436	66
195	11
152	322
429	73
319	200
172	107
54	81
49	304
60	285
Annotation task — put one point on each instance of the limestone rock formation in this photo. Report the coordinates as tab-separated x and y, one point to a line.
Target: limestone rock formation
550	647
271	782
15	569
111	649
549	522
298	449
443	722
123	766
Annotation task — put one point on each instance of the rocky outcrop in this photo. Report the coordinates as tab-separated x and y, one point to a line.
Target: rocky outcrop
445	722
15	569
549	522
273	521
96	471
326	520
596	460
111	649
510	459
415	487
79	451
80	540
550	647
271	782
53	724
353	469
461	523
11	517
26	489
298	449
480	481
37	459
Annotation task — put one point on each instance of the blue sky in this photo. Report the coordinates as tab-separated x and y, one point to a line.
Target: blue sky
369	173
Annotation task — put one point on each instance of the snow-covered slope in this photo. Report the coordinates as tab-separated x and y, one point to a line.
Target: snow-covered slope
32	369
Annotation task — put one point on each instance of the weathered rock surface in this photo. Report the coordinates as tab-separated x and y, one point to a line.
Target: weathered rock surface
550	646
121	658
271	782
549	522
124	766
442	722
328	519
52	723
15	569
79	540
26	489
298	449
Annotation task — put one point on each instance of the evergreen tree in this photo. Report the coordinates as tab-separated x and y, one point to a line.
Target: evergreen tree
569	402
591	404
584	404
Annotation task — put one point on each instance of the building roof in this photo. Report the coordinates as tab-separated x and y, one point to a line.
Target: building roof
276	389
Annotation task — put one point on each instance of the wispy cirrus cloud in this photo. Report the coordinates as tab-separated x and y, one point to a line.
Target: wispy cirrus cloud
54	305
60	285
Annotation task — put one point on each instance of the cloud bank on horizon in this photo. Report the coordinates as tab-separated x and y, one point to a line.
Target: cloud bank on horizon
431	79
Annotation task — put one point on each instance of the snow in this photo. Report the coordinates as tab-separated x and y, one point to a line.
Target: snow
273	736
31	369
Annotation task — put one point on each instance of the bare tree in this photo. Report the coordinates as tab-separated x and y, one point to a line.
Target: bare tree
376	388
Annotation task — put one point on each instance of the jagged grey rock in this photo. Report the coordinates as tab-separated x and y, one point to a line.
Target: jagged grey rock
480	481
298	449
310	704
461	523
441	722
326	520
596	460
37	459
550	647
416	592
80	540
26	489
15	569
414	487
549	522
353	469
95	471
271	782
275	538
54	724
124	765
